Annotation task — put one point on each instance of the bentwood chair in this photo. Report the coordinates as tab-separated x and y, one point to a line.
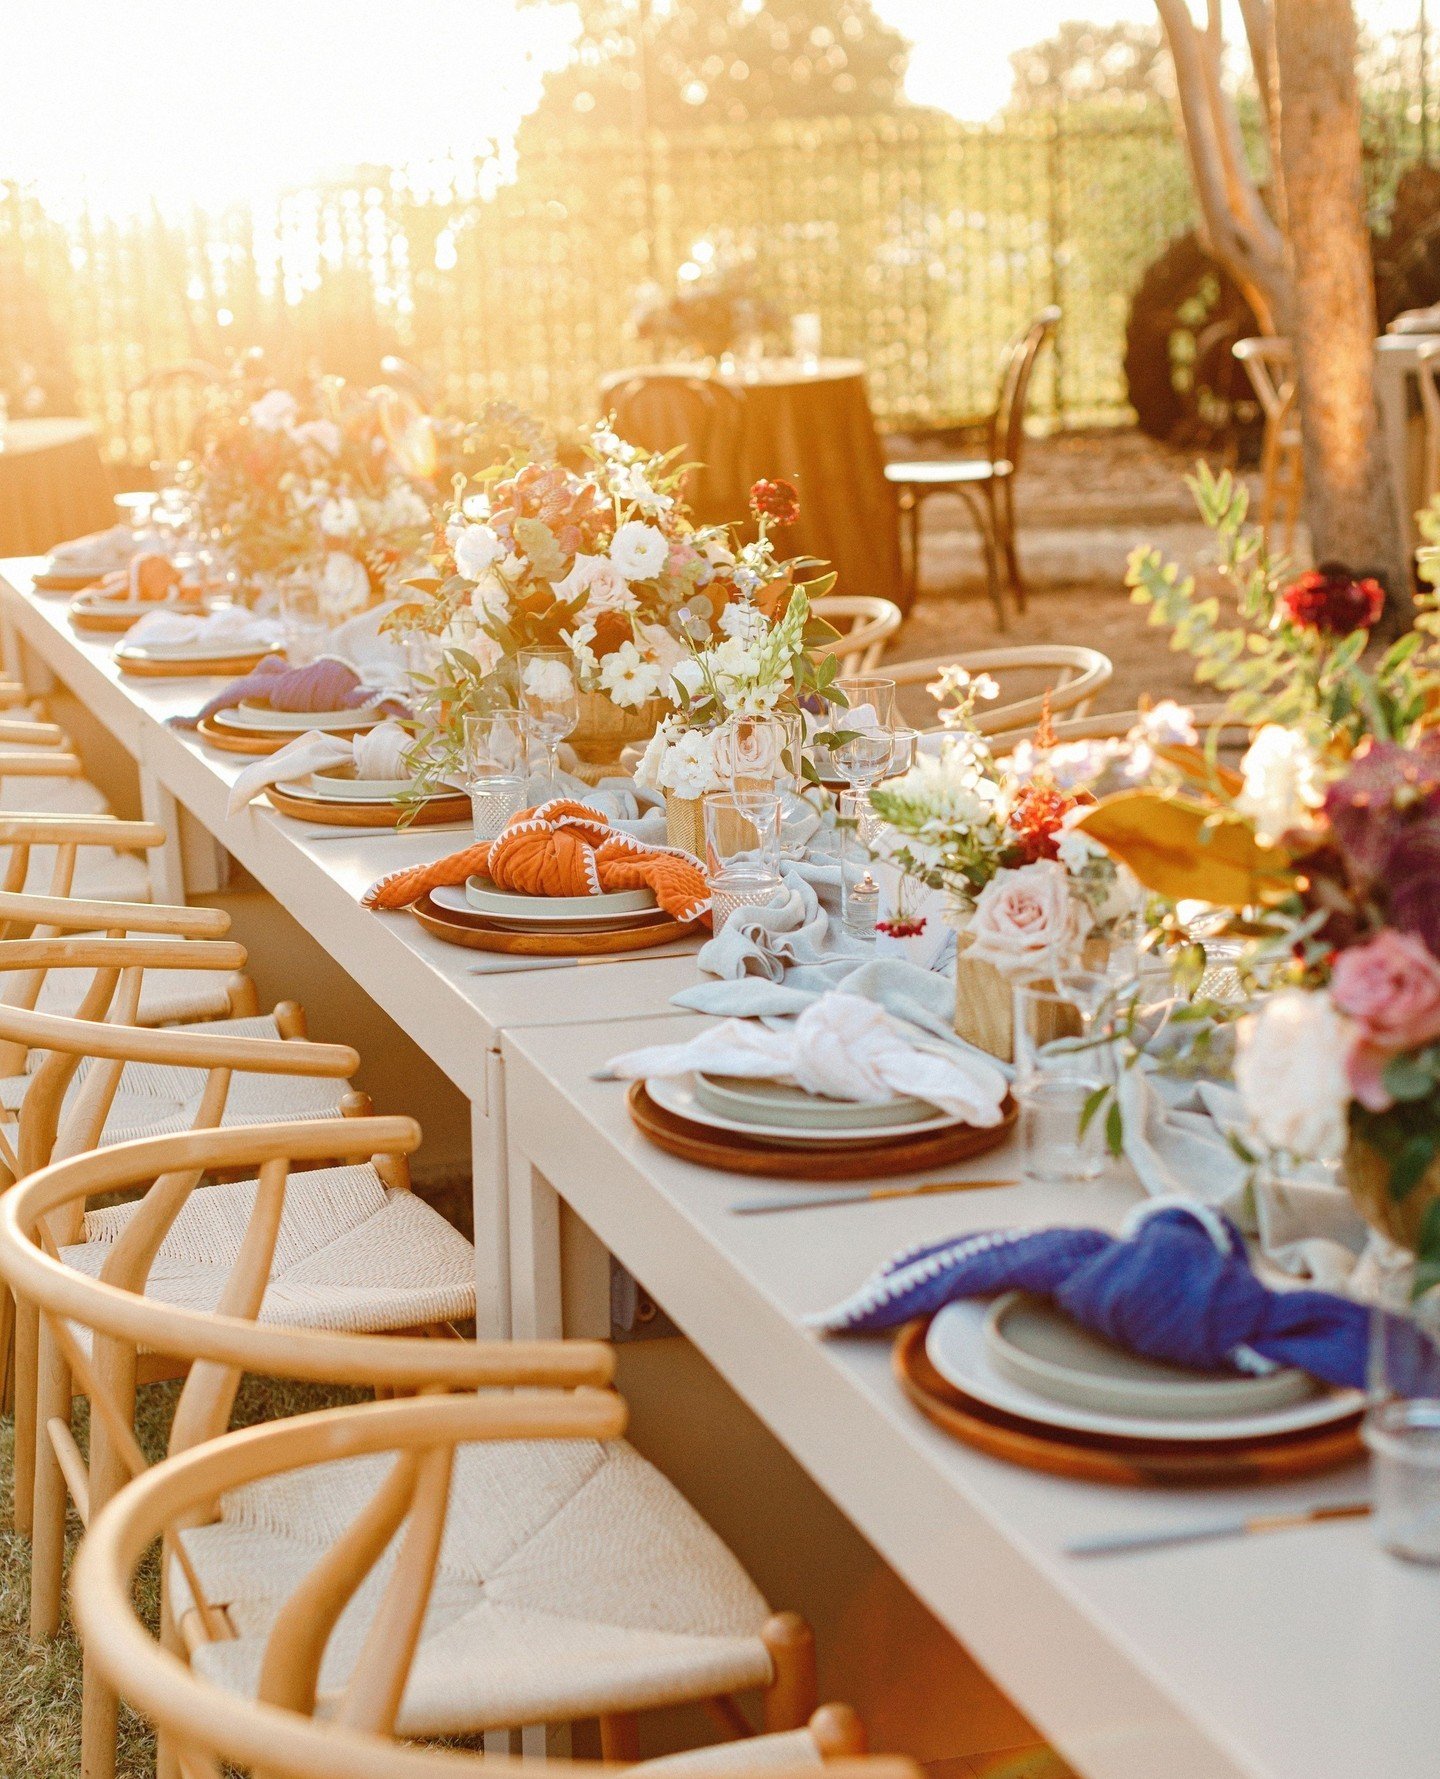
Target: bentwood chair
1270	365
985	484
865	622
573	1581
1056	677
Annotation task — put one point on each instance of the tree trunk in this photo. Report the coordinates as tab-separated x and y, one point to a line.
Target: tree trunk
1348	503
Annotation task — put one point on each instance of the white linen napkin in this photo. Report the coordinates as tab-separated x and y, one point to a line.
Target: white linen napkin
789	930
98	552
374	754
232	626
842	1046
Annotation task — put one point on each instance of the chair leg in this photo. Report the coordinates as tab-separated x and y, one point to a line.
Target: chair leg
792	1694
1005	530
7	1351
983	526
99	1724
910	546
47	1543
27	1344
620	1736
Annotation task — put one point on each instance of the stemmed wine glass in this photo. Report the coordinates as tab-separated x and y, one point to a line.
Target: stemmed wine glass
868	723
549	699
1101	968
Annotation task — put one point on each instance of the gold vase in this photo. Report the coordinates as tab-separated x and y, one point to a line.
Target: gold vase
1366	1174
685	823
984	1007
605	731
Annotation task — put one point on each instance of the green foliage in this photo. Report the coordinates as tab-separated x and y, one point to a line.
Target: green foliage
1271	669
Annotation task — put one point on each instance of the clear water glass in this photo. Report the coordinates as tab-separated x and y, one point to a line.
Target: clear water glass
497	769
304	621
868	718
1402	1422
549	699
742	850
1056	1072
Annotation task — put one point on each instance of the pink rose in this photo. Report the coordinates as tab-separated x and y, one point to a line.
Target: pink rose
1026	921
1390	987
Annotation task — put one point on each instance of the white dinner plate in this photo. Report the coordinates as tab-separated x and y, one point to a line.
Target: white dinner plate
344	787
787	1103
676	1093
956	1347
251	716
482	897
194	651
455	901
1036	1345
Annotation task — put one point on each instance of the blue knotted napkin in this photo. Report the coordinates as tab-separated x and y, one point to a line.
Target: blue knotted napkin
1175	1285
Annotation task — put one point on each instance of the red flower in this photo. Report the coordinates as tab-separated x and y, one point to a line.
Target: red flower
775	500
1331	601
1035	819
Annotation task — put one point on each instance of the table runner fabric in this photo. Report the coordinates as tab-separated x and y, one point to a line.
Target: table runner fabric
53	484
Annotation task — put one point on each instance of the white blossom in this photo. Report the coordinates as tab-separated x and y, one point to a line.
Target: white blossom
627	678
275	411
1290	1070
638	550
1282	788
477	548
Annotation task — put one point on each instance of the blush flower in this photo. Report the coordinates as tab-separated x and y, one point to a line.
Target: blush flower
1026	921
1390	987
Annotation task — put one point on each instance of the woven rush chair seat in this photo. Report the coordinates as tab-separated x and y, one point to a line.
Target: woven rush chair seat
160	1099
352	1254
169	997
573	1580
51	796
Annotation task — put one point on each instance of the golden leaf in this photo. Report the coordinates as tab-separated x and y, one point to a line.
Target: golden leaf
1181	848
1208	774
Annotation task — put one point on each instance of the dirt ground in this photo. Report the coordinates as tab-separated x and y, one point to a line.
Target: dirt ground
1084	500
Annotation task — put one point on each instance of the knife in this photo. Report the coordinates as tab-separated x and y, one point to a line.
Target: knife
756	1207
1107	1544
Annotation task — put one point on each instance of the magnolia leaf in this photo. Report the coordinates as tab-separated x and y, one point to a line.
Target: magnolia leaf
1208	774
1180	848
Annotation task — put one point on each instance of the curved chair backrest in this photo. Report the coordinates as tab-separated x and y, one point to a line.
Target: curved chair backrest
1073	675
1269	363
1115	725
20	732
163	409
700	417
278	1735
1017	368
865	622
64	836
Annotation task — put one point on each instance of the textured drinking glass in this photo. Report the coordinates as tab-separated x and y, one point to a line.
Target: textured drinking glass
496	769
1056	1072
742	850
1402	1428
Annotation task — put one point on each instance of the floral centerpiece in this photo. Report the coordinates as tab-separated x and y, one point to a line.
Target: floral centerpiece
1024	883
605	564
329	483
712	308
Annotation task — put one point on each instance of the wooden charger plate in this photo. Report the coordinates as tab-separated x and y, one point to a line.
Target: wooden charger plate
64	583
477	937
737	1154
98	616
1097	1457
213	667
257	742
330	812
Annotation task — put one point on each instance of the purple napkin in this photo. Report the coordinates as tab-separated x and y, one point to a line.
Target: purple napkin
323	685
1175	1285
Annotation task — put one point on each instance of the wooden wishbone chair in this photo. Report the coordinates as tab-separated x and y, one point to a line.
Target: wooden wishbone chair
171	1080
622	1597
17	732
94	858
413	1449
1073	675
865	622
169	997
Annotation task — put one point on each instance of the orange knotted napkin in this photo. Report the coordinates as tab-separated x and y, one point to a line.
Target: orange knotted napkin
560	848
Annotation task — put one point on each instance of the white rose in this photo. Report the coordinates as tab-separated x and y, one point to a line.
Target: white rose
402	509
604	588
1168	724
324	434
477	548
688	768
340	517
1282	782
275	411
345	582
490	597
549	680
638	550
627	678
647	771
1026	921
1290	1070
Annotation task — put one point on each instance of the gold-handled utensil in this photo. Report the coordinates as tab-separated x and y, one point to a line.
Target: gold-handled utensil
1106	1544
756	1207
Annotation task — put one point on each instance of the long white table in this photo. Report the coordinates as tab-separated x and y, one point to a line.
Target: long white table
1302	1655
454	1003
1306	1654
